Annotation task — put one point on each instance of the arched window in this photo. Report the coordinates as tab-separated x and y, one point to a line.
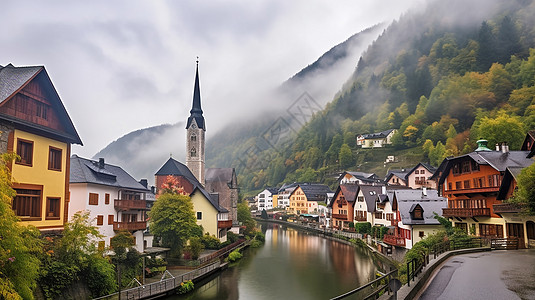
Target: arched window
193	138
193	152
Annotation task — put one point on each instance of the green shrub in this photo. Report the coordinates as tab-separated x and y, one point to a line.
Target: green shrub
358	242
194	248
232	237
185	287
210	242
100	276
234	256
260	237
256	244
351	225
363	228
383	230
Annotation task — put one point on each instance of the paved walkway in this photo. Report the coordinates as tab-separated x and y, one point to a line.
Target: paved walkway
496	274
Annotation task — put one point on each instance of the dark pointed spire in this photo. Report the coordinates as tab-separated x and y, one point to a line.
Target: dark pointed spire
196	111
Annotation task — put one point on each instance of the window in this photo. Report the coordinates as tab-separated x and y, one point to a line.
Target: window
466	166
457	185
417	172
54	159
421	234
110	219
466	184
193	152
360	199
93	199
25	151
100	220
52	208
107	198
199	215
41	110
27	203
456	169
418	213
193	138
449	185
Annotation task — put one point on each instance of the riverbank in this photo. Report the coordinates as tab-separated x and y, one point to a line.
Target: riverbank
335	235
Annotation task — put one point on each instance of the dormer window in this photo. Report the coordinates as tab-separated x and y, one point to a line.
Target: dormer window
417	212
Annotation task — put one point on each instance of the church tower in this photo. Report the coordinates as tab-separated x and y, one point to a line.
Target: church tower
195	134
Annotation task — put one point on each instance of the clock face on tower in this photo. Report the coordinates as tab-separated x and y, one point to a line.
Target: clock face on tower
193	126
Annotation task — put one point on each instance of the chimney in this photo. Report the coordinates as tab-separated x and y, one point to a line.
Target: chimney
383	189
101	163
498	148
424	191
505	147
144	182
153	189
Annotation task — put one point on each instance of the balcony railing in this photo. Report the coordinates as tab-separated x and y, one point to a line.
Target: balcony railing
130	204
473	190
224	224
466	212
394	240
130	226
420	182
360	219
339	216
507	208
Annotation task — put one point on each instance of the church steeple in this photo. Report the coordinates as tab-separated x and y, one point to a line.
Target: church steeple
196	110
195	134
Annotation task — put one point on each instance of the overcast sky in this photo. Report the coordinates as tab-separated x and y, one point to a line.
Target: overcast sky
120	66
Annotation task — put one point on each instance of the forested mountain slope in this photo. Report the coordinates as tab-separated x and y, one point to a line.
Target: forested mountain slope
444	76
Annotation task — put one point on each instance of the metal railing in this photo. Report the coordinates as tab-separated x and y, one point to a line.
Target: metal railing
510	243
415	266
160	287
376	286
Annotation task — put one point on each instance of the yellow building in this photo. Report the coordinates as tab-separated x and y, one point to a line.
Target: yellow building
306	197
210	215
35	125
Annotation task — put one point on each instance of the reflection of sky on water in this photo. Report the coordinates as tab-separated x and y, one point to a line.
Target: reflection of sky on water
291	265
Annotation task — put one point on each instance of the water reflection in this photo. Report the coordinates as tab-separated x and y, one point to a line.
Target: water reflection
291	265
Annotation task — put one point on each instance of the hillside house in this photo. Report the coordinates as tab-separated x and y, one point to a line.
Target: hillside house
358	178
418	177
376	140
35	125
396	177
113	198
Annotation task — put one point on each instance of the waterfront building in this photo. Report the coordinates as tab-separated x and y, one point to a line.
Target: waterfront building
413	215
283	195
365	206
471	183
306	198
35	125
264	199
342	206
114	199
224	182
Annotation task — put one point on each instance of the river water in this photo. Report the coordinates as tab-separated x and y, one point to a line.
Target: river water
292	264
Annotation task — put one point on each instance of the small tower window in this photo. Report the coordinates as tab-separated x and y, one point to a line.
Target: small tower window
193	138
193	152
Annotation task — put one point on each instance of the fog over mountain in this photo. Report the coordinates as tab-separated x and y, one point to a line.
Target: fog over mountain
136	152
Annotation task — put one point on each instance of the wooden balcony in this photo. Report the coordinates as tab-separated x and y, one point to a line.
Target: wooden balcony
129	204
224	224
507	208
360	219
484	190
130	226
339	216
394	240
466	212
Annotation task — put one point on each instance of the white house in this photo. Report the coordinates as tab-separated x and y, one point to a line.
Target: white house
264	199
114	199
376	140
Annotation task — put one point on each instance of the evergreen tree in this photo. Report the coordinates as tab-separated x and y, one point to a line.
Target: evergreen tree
508	41
487	45
346	157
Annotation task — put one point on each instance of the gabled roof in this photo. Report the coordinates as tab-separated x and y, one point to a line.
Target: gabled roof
364	177
83	170
428	167
220	174
401	173
176	168
349	191
377	135
212	198
530	137
15	79
495	159
370	193
290	187
314	191
407	201
510	176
